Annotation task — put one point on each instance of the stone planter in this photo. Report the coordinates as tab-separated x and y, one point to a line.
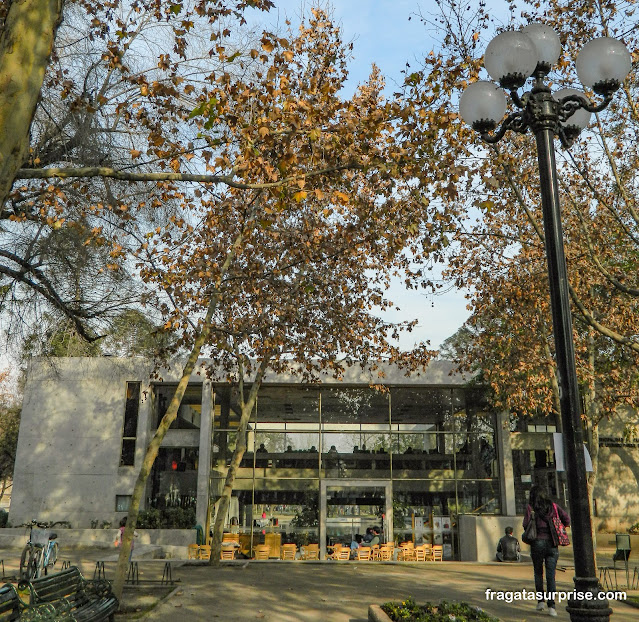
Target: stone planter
375	614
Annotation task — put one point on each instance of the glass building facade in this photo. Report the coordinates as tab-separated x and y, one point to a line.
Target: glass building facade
324	463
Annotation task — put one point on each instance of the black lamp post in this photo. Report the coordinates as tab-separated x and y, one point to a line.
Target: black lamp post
510	59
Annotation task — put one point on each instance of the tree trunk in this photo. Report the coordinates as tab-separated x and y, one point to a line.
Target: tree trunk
223	502
3	487
151	455
169	417
25	47
238	454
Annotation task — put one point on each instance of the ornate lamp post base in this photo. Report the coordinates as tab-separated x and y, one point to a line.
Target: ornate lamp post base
588	610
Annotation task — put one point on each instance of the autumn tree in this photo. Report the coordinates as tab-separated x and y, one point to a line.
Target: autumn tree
288	267
86	92
497	244
294	181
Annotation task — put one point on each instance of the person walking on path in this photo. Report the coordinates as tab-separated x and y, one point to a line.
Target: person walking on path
544	549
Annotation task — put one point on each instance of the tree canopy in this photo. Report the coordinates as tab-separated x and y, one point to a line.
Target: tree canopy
499	250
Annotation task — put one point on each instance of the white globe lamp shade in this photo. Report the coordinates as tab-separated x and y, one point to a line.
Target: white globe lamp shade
482	105
578	120
510	59
603	64
546	42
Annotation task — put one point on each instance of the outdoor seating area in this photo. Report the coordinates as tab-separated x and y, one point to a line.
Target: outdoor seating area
273	549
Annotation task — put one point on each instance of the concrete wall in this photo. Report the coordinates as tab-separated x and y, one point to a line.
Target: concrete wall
68	455
479	534
16	537
616	491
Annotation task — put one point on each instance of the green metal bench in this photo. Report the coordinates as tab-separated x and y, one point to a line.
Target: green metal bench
9	603
67	595
12	608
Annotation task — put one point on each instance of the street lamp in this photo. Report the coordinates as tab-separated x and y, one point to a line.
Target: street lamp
510	59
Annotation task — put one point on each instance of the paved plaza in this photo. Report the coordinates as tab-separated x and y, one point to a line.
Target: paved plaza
341	592
278	591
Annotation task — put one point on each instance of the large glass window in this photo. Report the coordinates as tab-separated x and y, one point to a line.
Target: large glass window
422	512
354	406
275	512
174	478
190	411
288	404
424	406
129	431
355	432
478	497
435	445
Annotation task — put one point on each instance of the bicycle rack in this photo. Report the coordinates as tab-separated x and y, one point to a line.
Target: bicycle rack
167	576
66	563
99	572
133	574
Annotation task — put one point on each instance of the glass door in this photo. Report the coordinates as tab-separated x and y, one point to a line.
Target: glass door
348	508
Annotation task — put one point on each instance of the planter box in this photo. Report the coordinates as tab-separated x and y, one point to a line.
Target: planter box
375	614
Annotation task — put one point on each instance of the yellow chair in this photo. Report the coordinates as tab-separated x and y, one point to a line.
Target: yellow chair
245	542
288	552
407	553
336	549
204	551
438	553
262	551
428	551
310	551
274	541
375	552
386	553
420	553
363	553
343	554
230	537
227	553
193	551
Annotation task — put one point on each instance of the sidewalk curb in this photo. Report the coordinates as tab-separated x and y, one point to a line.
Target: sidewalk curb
375	614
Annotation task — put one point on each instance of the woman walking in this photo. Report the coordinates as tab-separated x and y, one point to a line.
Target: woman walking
544	549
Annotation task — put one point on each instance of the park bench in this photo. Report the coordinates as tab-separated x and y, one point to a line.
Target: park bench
9	603
12	608
69	596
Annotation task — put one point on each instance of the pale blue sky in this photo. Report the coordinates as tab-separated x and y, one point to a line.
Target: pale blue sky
380	30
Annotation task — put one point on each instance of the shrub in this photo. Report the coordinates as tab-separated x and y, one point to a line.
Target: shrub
634	529
149	519
168	518
4	518
409	611
178	518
